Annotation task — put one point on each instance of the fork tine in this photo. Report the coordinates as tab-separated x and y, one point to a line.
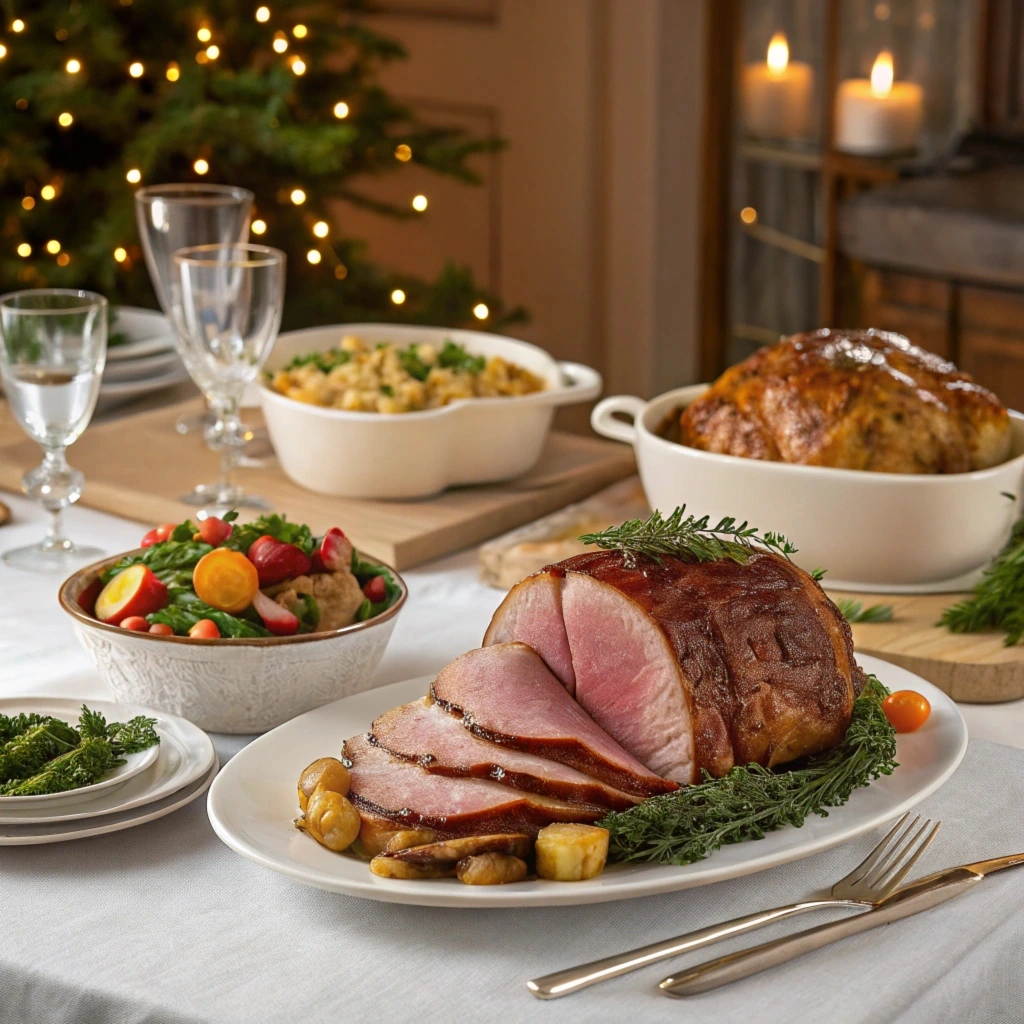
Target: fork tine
923	845
894	853
858	873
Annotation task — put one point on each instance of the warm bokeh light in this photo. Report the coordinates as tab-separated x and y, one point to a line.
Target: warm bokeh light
480	311
63	259
778	53
341	271
135	69
300	31
341	110
398	296
61	34
298	197
17	25
3	51
882	74
299	66
73	66
120	254
204	35
259	227
748	215
200	166
24	250
173	72
313	256
48	192
134	176
320	229
28	203
21	104
280	43
53	246
65	120
201	57
213	52
403	152
419	203
263	14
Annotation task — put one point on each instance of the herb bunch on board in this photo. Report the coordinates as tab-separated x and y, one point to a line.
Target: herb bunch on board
751	801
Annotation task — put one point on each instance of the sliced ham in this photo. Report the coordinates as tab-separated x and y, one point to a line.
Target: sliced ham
386	788
427	735
506	694
693	666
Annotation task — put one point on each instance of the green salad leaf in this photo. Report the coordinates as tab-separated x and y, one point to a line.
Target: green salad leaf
279	527
186	609
167	559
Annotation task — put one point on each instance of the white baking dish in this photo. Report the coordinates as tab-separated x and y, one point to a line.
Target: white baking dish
414	454
871	531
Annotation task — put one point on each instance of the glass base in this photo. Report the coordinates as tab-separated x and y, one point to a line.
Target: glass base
44	558
214	499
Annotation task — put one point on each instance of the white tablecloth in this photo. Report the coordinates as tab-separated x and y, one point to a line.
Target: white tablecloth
163	923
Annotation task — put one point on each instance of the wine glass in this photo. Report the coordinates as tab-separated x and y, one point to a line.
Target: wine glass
227	302
53	344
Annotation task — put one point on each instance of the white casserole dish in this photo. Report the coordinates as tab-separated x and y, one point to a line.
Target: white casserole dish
871	531
414	454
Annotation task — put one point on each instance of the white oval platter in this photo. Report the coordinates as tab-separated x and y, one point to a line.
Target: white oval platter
252	805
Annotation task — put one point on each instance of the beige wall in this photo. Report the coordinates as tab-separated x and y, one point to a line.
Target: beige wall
590	217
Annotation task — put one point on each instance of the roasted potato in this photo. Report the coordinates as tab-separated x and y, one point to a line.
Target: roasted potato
331	820
390	867
571	853
449	852
325	772
410	837
490	869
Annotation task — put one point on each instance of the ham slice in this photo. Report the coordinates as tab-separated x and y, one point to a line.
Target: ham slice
693	666
385	788
506	694
425	734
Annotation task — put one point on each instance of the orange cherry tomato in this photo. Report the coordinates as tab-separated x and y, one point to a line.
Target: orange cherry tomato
205	629
907	710
226	580
161	629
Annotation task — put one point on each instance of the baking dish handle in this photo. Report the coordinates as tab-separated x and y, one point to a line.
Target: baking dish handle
603	420
580	384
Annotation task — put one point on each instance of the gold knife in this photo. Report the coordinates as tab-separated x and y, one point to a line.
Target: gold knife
926	892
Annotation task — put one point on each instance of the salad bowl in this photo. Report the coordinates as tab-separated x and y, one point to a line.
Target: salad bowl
231	685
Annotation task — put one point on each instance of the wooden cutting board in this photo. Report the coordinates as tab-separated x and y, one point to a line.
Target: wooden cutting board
136	466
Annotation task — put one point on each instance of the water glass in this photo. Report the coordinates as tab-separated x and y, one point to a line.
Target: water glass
53	344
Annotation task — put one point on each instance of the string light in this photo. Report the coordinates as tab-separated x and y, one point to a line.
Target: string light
134	176
480	311
63	259
259	227
298	197
24	250
300	31
403	153
299	66
3	51
341	271
204	35
280	43
213	52
201	57
17	25
748	215
53	246
120	254
65	120
135	69
73	66
320	229
200	166
398	296
341	110
419	203
27	203
48	192
263	14
313	256
173	72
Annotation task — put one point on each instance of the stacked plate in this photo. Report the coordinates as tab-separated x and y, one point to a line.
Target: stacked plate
141	358
151	784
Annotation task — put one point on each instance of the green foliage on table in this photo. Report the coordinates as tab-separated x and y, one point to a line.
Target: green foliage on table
256	124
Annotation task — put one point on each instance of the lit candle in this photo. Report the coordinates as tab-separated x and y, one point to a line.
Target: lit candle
777	94
878	116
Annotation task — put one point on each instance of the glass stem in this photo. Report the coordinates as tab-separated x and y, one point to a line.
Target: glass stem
56	466
228	430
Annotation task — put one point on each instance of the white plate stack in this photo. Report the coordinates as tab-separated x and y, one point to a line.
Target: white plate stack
151	784
141	357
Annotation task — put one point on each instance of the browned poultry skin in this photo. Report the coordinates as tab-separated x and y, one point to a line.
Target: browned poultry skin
766	657
865	400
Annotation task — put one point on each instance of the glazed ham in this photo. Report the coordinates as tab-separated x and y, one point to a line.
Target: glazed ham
507	694
692	666
425	734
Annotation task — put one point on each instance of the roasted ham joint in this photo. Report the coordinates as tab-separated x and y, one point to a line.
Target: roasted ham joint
602	681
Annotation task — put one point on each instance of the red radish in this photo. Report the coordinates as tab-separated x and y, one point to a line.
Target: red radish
136	622
214	531
257	542
158	534
87	598
375	590
161	629
278	620
205	629
276	561
133	591
334	553
148	539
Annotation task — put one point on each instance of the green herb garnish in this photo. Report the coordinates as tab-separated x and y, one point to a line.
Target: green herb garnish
455	357
323	361
26	754
412	364
749	802
854	611
276	526
12	726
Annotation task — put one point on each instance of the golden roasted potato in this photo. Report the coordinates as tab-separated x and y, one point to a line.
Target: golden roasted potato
389	867
571	853
325	772
374	835
490	869
410	837
331	820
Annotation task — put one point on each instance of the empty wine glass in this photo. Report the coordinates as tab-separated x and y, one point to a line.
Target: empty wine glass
53	344
227	302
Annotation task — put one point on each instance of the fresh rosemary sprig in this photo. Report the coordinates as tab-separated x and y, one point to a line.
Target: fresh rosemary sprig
997	601
687	538
749	802
854	611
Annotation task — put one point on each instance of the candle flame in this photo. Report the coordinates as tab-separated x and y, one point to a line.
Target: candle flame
778	53
882	74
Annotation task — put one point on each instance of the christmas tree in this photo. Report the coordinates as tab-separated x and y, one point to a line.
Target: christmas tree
100	96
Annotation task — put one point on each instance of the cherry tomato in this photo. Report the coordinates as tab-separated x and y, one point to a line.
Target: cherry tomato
375	590
226	580
205	629
907	710
158	534
136	622
214	531
161	629
148	539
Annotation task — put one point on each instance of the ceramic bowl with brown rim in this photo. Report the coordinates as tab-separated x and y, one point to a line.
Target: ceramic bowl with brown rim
229	685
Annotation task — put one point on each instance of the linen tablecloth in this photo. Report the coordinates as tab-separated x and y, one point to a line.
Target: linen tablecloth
163	923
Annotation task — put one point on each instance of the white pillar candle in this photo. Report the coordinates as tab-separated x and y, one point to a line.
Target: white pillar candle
777	95
878	116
